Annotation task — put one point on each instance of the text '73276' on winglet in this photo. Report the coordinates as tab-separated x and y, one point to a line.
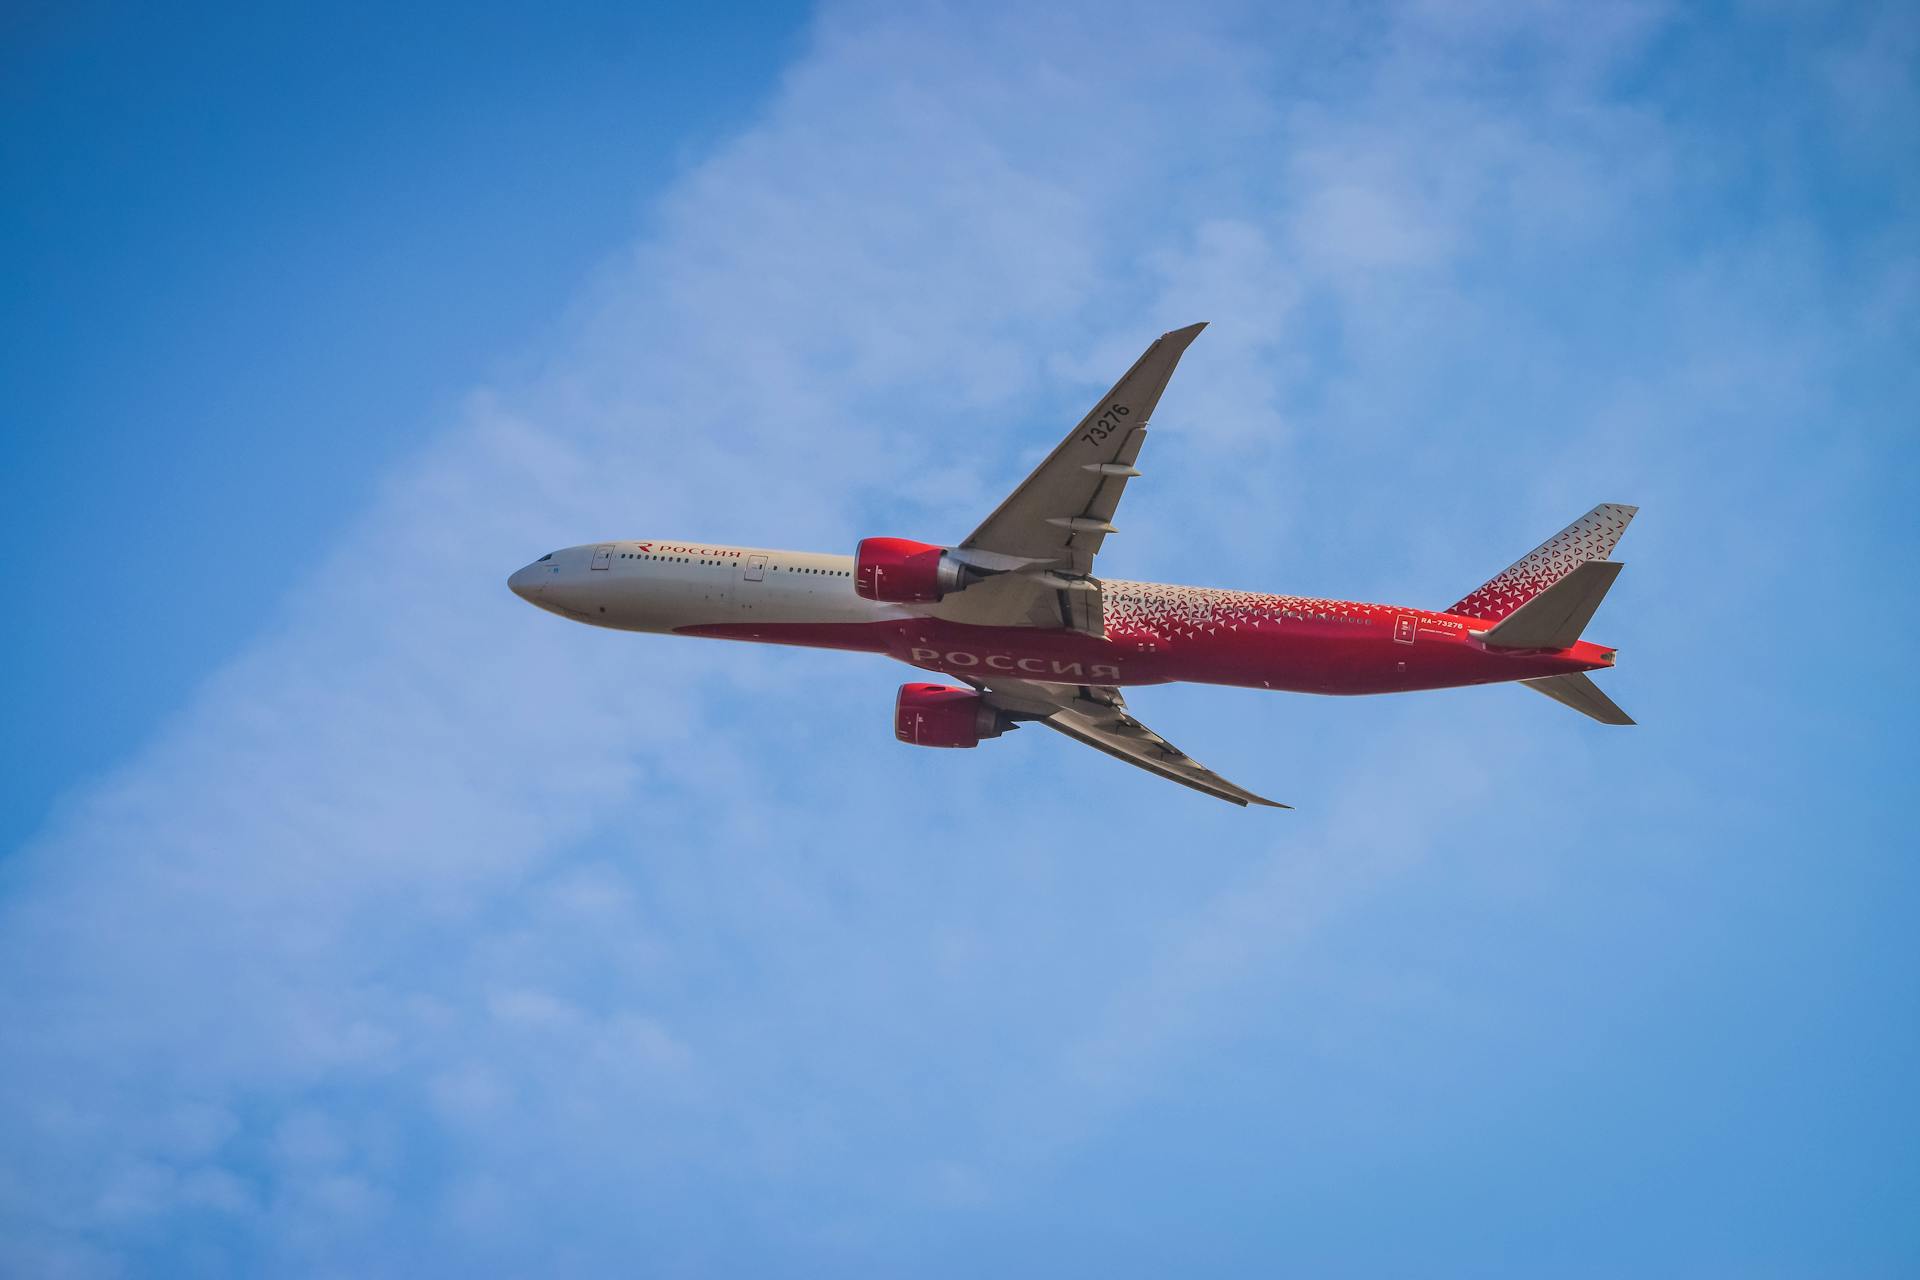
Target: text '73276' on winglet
1015	617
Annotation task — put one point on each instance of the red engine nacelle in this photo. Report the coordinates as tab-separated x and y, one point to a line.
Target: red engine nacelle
901	571
939	715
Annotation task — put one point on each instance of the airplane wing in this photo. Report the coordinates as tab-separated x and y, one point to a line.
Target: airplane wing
1056	520
1097	715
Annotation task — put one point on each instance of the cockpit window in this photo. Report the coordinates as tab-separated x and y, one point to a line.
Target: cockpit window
543	559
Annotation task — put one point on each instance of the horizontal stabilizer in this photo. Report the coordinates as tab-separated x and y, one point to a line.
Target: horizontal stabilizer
1583	695
1555	618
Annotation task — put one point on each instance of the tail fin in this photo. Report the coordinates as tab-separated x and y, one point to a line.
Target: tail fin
1591	537
1583	695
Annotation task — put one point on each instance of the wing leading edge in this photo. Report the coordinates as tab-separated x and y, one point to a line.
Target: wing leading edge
1097	716
1060	514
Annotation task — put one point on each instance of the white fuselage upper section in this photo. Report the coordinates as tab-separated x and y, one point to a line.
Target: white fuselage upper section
659	585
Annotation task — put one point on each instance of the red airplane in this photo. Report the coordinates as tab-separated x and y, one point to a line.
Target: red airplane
1015	615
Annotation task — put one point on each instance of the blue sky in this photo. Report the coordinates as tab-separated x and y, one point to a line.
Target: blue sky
358	919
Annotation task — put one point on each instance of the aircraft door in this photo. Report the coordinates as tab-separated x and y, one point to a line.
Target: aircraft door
753	569
1403	629
603	556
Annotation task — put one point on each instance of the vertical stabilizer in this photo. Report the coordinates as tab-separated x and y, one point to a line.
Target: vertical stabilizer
1591	537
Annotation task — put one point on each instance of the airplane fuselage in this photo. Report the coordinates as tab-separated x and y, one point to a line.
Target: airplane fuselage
1155	633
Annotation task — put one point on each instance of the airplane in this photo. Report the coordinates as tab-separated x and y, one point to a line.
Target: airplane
1015	616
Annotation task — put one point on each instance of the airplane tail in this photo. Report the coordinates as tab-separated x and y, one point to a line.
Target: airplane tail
1545	600
1590	538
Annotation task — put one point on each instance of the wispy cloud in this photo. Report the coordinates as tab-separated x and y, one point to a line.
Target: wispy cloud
438	934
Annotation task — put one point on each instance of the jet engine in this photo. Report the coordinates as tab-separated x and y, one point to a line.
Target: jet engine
939	715
901	571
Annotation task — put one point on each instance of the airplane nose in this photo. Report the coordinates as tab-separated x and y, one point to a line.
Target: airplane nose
525	583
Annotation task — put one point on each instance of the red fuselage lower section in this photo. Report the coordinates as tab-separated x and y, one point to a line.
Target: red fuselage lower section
1158	634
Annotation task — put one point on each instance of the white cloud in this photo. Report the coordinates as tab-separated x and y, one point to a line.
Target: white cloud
435	923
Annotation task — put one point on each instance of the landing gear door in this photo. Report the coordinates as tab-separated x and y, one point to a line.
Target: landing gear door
756	570
603	556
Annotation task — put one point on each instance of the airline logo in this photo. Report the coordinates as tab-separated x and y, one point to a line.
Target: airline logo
689	549
1006	662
